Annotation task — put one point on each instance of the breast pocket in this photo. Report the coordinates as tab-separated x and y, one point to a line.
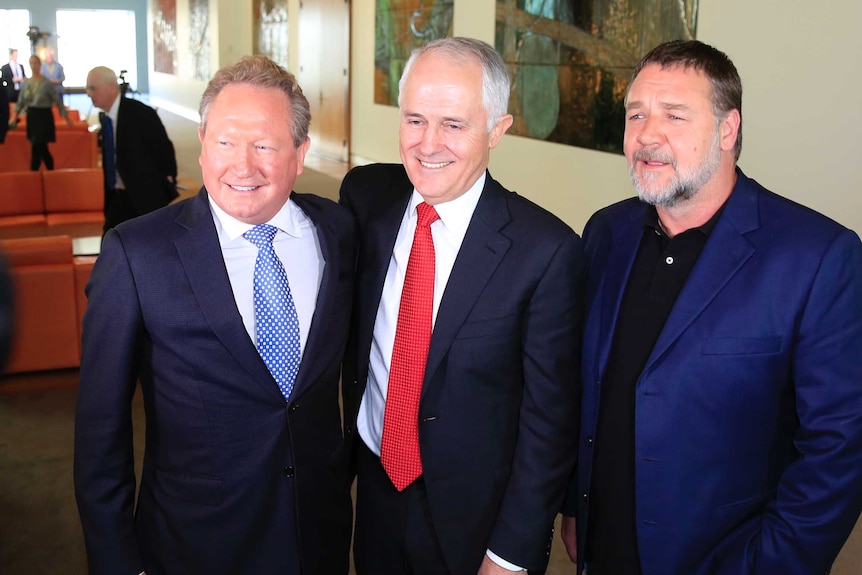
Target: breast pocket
741	345
488	327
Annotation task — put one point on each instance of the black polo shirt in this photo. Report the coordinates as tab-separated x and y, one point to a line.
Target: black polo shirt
660	269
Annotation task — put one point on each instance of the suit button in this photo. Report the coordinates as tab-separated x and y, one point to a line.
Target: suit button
590	440
293	407
584	495
348	431
288	471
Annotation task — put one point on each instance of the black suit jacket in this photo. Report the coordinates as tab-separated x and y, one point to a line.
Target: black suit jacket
228	463
145	157
8	84
499	410
4	114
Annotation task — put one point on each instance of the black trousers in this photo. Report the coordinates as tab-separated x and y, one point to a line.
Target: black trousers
394	533
38	153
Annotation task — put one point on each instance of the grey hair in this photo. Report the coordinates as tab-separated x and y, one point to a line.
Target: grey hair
495	76
105	75
262	72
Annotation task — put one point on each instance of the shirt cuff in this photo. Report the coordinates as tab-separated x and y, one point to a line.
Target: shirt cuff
502	562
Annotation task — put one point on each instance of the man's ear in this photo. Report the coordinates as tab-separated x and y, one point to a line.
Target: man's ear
500	128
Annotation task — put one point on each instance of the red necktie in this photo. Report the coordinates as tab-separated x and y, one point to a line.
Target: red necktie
399	450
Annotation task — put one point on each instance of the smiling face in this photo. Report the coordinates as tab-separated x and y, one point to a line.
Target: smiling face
248	161
673	141
444	140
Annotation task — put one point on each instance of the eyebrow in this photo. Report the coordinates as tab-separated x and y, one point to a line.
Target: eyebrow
665	105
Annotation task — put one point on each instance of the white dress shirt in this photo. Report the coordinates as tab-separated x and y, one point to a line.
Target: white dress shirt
296	245
16	73
448	234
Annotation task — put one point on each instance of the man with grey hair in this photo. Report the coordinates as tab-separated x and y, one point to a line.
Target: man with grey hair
231	308
138	159
461	372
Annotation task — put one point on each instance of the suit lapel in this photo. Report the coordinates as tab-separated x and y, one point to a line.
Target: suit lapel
620	258
482	250
384	221
200	254
723	255
318	348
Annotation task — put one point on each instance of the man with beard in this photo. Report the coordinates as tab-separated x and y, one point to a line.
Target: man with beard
721	427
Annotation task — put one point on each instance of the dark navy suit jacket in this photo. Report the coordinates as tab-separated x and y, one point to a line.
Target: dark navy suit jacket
748	417
229	466
498	414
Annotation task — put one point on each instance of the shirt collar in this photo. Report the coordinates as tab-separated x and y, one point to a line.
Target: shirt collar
455	214
286	220
114	111
651	222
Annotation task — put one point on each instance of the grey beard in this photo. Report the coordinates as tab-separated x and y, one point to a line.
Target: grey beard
683	186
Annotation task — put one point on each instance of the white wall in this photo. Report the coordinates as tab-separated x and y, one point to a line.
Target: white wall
801	67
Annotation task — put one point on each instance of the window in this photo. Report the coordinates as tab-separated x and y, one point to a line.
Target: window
90	38
14	25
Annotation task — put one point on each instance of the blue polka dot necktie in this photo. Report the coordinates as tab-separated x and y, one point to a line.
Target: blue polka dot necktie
277	326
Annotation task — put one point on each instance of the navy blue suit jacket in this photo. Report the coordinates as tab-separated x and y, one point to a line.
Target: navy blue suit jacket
498	414
229	466
748	417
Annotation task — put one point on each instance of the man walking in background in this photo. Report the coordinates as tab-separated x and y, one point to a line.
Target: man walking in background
137	155
13	74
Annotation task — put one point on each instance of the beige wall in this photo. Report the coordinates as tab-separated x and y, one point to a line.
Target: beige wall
801	67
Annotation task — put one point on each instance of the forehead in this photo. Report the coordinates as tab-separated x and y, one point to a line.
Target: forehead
436	71
654	82
236	97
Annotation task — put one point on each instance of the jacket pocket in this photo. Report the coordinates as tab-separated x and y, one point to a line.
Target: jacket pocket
741	345
197	488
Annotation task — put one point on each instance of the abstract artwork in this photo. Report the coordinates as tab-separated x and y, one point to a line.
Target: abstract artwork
571	60
165	37
270	29
400	26
199	39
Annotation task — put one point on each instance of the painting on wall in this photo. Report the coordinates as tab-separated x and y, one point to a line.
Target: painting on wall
199	39
165	37
270	29
571	60
399	27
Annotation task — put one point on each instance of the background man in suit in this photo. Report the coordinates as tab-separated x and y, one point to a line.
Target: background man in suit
13	75
470	479
4	114
721	430
242	464
141	174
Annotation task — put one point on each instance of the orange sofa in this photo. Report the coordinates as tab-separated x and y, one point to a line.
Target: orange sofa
50	199
48	284
76	147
